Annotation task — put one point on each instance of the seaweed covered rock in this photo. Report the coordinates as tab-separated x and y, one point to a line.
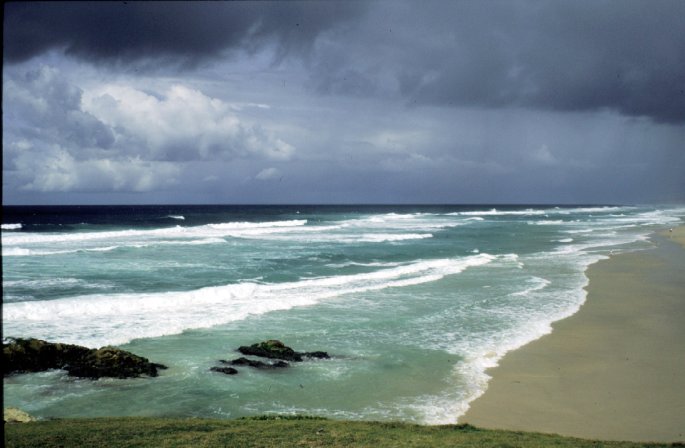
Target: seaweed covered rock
112	362
275	349
35	355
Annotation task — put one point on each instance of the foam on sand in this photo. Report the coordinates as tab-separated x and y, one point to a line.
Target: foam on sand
609	372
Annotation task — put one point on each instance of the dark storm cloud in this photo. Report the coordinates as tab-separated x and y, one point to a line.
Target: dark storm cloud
583	55
627	55
186	32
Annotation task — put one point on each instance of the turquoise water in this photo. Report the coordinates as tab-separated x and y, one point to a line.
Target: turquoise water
413	303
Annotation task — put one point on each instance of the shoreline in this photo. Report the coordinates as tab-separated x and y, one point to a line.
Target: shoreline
613	370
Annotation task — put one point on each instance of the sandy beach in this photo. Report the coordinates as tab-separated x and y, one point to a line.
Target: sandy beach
614	370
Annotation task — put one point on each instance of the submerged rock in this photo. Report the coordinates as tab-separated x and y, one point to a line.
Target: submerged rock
35	355
318	355
256	364
226	370
275	349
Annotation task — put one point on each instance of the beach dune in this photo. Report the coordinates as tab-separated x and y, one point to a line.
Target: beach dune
613	371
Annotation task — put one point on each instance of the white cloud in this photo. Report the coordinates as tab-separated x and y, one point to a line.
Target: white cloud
53	168
59	137
268	173
544	155
182	124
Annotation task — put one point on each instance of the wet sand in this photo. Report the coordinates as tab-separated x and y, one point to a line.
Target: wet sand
616	369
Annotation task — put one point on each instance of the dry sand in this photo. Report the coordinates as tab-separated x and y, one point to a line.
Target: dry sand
616	369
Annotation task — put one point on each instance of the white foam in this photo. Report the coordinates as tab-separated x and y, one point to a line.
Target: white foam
15	252
209	230
179	217
383	237
52	283
543	212
606	209
483	353
23	252
406	222
97	320
343	238
547	222
34	244
495	212
578	231
257	225
371	264
11	226
537	283
486	354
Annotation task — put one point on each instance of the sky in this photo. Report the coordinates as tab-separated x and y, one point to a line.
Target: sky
453	101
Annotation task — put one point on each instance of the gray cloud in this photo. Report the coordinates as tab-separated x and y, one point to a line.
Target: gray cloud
46	107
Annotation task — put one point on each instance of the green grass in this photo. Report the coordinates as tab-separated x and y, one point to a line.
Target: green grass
273	432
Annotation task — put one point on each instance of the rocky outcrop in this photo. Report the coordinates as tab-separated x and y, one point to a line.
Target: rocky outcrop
272	349
112	362
35	355
275	349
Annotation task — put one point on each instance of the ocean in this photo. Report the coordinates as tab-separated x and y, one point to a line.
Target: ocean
413	303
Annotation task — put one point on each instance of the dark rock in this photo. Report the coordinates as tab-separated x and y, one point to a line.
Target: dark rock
275	349
256	364
318	355
271	349
226	370
35	355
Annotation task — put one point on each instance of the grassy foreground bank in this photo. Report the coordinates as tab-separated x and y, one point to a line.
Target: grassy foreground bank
273	432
